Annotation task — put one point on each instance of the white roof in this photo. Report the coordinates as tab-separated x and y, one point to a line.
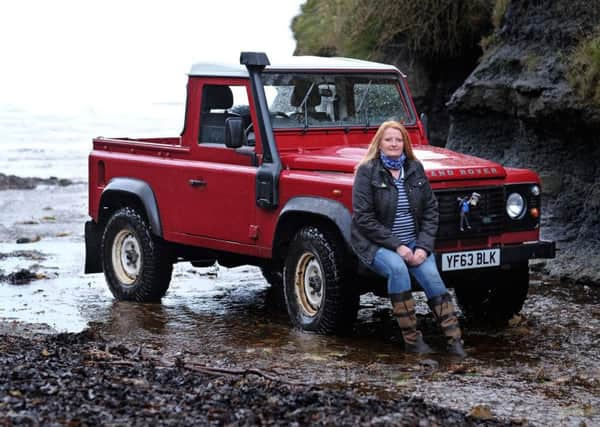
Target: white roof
294	63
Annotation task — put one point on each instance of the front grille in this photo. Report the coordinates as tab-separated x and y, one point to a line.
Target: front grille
485	219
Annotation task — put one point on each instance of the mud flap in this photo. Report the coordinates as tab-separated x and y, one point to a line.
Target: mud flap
93	260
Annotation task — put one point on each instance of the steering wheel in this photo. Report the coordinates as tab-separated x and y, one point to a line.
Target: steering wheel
247	132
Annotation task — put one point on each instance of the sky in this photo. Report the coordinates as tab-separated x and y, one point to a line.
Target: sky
107	52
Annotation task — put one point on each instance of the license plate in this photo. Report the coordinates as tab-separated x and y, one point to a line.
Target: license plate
471	259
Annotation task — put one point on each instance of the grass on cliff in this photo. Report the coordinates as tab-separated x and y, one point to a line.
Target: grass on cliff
431	29
584	69
498	12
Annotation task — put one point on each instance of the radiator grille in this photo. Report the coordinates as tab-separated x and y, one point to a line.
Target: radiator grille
487	218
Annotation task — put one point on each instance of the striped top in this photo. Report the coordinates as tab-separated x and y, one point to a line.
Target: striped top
404	224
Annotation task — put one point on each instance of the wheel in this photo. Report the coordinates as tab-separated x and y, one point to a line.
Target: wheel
137	265
316	297
494	297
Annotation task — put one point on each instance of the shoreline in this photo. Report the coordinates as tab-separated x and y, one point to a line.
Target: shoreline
14	182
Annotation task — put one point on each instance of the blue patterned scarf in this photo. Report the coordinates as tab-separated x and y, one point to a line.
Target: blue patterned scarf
394	164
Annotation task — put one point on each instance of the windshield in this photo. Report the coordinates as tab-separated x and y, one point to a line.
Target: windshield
328	100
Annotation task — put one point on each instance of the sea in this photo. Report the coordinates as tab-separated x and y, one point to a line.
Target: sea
41	141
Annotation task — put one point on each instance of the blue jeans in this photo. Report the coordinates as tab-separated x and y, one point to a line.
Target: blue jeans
391	265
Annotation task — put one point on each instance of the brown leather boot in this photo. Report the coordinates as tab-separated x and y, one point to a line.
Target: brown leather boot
443	310
404	309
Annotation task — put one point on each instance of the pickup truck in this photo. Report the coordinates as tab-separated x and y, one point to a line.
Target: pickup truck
262	174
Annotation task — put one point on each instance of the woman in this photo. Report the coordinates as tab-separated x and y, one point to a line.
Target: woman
393	232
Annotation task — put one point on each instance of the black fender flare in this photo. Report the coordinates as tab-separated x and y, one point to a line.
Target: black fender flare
332	210
139	189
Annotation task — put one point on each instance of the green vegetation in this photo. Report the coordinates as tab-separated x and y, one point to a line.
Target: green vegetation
319	27
431	29
531	62
498	13
584	69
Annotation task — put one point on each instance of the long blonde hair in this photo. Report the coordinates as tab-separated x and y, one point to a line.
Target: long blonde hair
373	150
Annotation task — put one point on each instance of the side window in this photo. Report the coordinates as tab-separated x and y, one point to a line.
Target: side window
220	102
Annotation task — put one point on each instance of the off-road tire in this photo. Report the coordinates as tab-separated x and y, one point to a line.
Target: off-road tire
317	256
492	298
137	265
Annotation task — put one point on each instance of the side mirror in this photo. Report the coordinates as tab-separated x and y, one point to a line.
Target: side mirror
234	132
425	122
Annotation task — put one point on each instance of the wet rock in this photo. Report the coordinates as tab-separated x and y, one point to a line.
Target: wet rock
13	182
29	222
33	239
21	277
482	412
429	364
32	255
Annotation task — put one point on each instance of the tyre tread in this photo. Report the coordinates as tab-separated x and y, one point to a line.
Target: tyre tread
157	269
340	306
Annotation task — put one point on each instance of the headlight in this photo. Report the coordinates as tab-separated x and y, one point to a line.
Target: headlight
515	206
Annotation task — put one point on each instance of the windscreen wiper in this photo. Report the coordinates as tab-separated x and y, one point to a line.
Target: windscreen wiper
362	101
303	105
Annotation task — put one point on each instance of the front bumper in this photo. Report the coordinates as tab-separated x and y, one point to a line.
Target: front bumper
526	251
512	254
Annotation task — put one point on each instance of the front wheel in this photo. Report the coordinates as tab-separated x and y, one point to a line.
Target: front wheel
494	296
316	295
137	265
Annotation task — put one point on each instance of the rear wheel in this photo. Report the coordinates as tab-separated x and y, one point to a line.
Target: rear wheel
136	264
317	297
493	297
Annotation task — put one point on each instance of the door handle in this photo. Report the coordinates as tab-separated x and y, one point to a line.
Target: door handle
197	182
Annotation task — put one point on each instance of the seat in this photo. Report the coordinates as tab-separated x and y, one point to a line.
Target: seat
212	123
313	100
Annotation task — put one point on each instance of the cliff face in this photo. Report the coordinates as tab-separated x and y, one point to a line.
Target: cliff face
517	108
432	84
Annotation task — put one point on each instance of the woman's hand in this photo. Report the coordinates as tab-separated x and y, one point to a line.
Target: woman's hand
405	253
418	257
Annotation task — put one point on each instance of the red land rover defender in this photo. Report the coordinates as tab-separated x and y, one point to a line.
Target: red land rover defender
262	174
